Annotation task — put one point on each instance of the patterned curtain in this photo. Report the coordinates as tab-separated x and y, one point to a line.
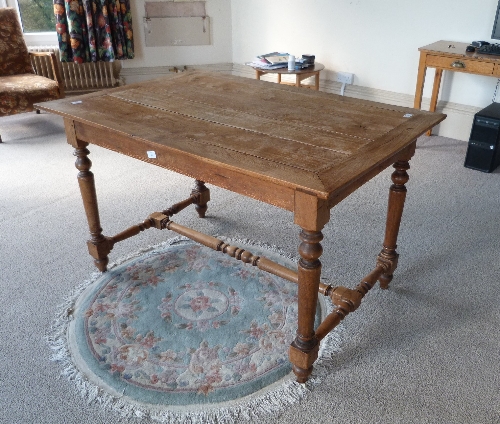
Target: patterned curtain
94	30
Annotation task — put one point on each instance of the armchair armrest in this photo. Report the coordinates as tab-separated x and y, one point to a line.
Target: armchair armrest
54	66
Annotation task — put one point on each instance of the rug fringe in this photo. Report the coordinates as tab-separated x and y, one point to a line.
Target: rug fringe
253	408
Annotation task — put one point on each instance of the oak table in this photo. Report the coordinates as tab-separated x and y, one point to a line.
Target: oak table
301	150
451	56
300	75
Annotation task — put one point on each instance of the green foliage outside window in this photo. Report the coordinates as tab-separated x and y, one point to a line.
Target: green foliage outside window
37	15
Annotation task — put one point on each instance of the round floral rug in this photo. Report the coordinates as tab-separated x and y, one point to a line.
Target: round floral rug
182	331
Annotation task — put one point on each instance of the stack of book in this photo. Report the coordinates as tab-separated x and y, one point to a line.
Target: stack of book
275	60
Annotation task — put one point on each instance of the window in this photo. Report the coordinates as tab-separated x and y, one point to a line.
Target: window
37	19
37	15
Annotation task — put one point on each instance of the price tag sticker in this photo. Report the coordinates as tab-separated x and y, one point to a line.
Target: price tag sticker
151	154
407	115
77	102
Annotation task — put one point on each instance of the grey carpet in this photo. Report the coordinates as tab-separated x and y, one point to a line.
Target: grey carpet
425	351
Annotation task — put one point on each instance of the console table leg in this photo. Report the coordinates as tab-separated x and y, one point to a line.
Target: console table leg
420	81
435	89
388	257
435	93
304	349
98	245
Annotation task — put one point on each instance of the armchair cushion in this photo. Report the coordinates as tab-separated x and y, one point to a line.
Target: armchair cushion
20	87
18	93
14	57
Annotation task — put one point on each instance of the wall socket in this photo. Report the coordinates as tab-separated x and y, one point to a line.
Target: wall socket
345	77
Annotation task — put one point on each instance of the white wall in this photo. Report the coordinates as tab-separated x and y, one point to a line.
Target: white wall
220	50
378	41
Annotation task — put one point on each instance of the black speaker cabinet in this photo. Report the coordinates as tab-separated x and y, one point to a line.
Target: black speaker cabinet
483	151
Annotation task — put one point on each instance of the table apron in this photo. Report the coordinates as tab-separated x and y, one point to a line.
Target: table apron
459	64
189	165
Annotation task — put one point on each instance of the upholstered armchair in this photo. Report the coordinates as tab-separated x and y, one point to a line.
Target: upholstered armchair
20	87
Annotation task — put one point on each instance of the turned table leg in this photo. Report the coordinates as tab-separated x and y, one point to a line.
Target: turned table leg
304	349
203	197
98	245
311	214
388	257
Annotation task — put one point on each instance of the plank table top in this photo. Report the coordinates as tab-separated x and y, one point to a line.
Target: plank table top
214	126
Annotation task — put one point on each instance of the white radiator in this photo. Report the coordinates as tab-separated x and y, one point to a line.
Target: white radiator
78	77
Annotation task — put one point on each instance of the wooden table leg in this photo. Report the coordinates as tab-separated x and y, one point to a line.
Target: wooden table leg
435	89
203	194
311	214
422	68
316	81
388	257
304	349
417	104
435	92
98	245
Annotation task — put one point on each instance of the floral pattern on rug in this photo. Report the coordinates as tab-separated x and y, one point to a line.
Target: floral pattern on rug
188	320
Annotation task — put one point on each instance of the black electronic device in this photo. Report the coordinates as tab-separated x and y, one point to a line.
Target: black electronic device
493	49
470	49
309	58
495	34
479	43
483	151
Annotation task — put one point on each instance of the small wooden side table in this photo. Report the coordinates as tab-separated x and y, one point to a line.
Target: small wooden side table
451	56
300	75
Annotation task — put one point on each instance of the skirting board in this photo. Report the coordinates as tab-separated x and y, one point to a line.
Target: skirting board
457	125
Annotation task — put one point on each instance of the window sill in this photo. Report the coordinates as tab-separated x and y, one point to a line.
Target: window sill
40	38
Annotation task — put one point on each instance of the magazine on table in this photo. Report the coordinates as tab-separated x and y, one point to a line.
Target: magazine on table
275	60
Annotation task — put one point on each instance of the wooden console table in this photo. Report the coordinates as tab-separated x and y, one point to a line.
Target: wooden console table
450	56
301	150
300	75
